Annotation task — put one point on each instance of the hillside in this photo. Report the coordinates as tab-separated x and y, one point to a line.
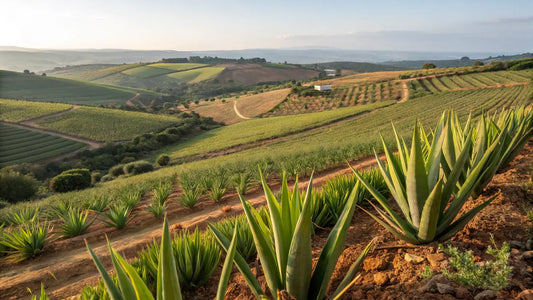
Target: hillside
454	63
51	89
169	75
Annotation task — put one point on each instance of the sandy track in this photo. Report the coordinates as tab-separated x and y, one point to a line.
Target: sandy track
72	267
237	111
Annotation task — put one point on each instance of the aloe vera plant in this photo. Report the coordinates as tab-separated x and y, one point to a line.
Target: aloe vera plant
75	222
130	285
162	192
42	294
190	197
26	241
98	204
244	239
428	200
118	216
24	215
285	250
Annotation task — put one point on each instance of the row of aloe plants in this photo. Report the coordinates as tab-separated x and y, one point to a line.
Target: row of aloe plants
197	254
433	180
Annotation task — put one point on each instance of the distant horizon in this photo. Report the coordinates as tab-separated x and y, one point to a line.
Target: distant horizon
389	25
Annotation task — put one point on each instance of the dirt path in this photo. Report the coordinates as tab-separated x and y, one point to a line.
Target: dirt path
65	267
129	102
238	113
92	144
405	91
33	122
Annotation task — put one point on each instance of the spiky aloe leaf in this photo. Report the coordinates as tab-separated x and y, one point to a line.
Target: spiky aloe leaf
226	269
168	285
416	179
140	288
111	287
348	278
300	260
430	214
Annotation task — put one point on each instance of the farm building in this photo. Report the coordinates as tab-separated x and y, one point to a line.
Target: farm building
330	72
322	87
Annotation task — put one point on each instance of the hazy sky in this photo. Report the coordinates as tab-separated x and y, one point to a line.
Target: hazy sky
450	25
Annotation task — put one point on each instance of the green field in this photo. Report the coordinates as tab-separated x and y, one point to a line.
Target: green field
177	66
91	72
260	129
469	81
101	124
21	146
19	110
197	75
51	89
146	71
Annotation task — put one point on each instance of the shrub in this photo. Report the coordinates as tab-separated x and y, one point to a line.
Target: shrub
487	275
163	160
71	180
117	170
138	167
428	66
96	177
4	204
106	178
15	187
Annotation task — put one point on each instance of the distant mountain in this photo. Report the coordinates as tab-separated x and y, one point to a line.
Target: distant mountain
18	59
453	63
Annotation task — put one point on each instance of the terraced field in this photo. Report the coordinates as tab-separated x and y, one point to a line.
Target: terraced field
19	110
50	89
177	66
469	81
100	124
20	145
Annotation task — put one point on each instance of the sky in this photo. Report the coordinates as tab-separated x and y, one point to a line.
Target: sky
451	25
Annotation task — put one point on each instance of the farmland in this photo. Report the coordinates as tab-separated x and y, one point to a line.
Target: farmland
196	75
469	81
21	146
106	124
177	66
339	97
49	89
19	110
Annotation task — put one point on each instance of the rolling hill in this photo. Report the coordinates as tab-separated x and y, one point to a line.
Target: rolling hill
15	85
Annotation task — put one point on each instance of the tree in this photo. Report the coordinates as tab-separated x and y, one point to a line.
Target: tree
478	63
428	66
26	71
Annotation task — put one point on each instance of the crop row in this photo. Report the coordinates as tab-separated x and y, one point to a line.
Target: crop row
339	97
469	81
21	145
107	124
16	111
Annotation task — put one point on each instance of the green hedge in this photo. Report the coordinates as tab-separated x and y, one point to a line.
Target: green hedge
71	180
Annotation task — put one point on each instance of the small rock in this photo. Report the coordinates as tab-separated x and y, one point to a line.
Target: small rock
435	259
486	295
413	258
372	264
525	295
529	245
431	285
381	278
528	255
517	245
444	288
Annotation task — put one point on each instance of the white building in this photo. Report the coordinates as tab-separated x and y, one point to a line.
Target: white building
322	87
330	72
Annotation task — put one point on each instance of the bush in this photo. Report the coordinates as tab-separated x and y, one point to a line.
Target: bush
428	66
127	160
71	180
96	177
522	66
138	167
15	187
106	178
163	160
4	204
117	170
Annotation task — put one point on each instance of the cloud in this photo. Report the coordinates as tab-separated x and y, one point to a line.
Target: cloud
516	20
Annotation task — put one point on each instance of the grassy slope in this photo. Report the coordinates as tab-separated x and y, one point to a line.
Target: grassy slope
197	75
91	72
19	110
21	145
259	129
50	89
146	71
102	124
253	105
